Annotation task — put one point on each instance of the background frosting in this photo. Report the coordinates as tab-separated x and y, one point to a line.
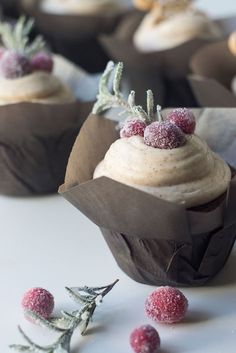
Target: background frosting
173	31
79	6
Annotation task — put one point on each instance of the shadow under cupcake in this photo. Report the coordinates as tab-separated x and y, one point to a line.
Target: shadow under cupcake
166	207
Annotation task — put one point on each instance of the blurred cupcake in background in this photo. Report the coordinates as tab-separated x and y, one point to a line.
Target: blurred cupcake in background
73	26
40	115
159	44
213	73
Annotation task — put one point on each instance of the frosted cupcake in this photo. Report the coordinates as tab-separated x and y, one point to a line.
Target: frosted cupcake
165	203
171	23
26	69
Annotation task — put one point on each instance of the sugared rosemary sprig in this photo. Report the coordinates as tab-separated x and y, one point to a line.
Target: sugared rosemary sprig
88	298
113	98
16	37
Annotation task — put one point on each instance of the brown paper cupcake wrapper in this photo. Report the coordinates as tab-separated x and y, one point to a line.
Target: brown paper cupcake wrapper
75	36
214	67
210	93
152	240
35	143
162	71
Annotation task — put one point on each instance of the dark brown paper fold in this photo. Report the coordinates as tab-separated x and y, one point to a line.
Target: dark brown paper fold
214	68
75	36
162	71
152	240
210	93
35	143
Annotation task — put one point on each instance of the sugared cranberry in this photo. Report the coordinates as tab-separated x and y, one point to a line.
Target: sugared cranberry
14	65
40	301
145	339
133	127
164	135
166	305
42	61
184	119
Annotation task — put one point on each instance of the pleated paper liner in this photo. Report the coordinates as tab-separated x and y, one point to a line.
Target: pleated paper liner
162	71
153	241
75	36
214	67
36	139
210	93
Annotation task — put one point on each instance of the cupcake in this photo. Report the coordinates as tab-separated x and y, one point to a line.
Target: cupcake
215	66
157	46
171	23
40	116
73	26
163	200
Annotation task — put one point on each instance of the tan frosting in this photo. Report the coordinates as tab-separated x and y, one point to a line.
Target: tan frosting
154	34
232	43
41	87
79	6
191	174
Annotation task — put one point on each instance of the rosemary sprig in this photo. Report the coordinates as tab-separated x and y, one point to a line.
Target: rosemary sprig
17	37
89	297
113	98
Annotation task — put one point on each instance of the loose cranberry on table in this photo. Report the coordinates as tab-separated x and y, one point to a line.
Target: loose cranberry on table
145	339
40	301
184	119
166	305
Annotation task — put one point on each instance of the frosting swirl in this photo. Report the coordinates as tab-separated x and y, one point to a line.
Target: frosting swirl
155	33
41	87
191	174
79	6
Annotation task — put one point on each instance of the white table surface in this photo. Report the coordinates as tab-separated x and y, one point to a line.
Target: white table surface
46	242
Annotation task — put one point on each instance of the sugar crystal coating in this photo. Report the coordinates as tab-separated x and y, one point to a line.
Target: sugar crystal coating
166	305
14	65
145	339
42	61
164	135
184	119
40	301
133	127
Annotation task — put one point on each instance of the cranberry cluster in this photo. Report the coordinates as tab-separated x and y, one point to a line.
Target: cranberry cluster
166	134
15	65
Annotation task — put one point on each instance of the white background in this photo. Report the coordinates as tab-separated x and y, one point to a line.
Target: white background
46	242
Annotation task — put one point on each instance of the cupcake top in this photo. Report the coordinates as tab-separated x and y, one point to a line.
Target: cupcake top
79	6
163	157
172	23
26	68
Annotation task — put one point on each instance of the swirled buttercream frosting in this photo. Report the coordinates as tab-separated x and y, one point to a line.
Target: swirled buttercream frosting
155	34
191	175
39	87
79	6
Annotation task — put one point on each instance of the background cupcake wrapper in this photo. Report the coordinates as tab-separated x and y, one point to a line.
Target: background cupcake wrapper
164	71
75	36
35	143
152	240
214	68
210	93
